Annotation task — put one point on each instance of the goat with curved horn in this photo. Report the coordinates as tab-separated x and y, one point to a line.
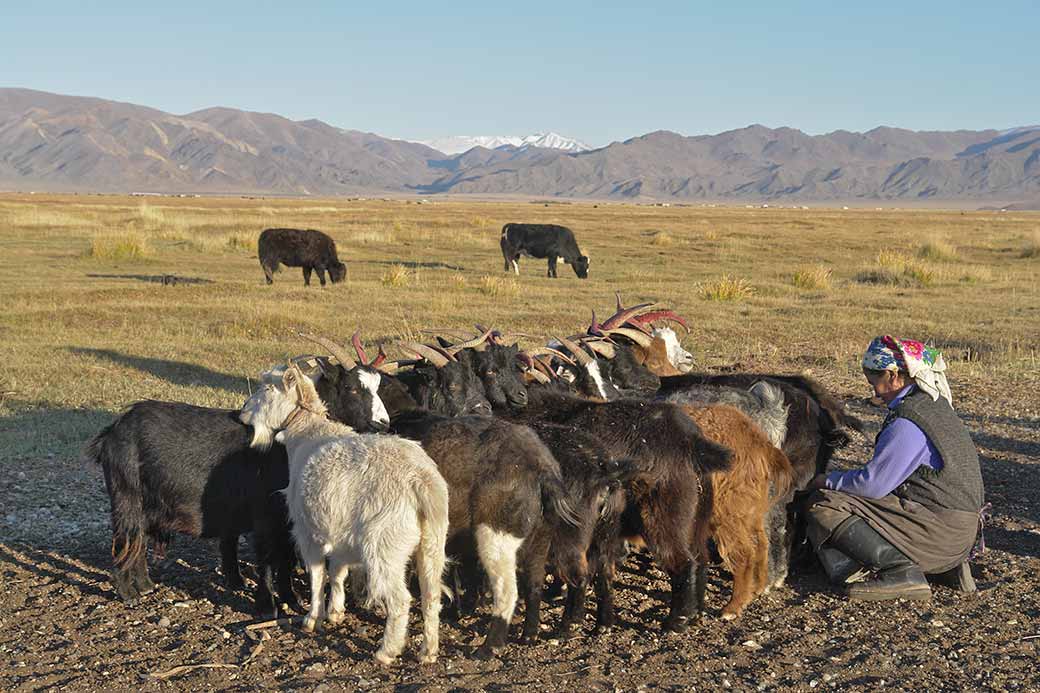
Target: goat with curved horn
624	315
637	336
601	347
334	349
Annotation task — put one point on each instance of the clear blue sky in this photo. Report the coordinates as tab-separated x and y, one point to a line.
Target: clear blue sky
598	71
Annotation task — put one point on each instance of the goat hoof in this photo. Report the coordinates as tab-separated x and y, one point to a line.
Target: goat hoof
336	617
729	616
484	653
309	624
676	625
427	657
384	657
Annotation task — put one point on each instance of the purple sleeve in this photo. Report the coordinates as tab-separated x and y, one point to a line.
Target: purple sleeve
901	448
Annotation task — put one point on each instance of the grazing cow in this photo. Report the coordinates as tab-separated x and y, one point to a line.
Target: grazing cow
545	241
312	250
358	500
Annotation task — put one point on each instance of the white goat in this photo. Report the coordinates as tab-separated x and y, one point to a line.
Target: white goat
359	500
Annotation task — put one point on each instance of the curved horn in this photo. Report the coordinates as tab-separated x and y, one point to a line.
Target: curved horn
622	316
544	369
435	355
646	318
335	349
640	338
580	355
471	344
380	358
355	339
601	347
551	352
595	328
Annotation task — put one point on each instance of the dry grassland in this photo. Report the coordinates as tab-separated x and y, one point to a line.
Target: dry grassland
86	328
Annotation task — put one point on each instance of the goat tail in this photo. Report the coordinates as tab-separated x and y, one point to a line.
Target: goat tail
431	499
554	501
781	474
116	451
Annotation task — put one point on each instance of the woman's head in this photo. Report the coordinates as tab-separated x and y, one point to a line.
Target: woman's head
890	364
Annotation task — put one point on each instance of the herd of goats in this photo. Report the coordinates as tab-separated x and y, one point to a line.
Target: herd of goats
557	460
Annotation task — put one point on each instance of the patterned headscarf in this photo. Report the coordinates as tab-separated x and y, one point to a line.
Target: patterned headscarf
924	364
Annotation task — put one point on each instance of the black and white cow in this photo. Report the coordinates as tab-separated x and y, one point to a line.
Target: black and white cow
546	241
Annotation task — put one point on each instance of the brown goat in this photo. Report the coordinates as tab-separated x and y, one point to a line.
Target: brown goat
655	358
760	475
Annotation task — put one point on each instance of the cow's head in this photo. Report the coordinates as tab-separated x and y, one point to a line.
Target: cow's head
581	267
337	272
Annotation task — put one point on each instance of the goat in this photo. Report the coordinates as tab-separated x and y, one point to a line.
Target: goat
176	468
759	478
815	419
507	498
357	499
669	497
312	250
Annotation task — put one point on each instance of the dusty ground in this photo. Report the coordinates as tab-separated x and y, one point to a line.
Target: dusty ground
63	629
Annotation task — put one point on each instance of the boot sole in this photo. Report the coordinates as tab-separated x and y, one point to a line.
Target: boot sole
916	596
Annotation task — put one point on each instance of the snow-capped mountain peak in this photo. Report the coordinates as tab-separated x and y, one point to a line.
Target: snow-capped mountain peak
457	144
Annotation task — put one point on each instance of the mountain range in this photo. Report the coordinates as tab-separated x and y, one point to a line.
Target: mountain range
56	142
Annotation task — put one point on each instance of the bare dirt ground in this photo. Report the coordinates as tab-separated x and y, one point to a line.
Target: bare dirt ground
63	629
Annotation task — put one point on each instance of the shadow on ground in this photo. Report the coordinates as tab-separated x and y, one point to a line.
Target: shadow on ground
175	372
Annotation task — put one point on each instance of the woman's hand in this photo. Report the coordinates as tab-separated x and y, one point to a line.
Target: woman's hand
819	481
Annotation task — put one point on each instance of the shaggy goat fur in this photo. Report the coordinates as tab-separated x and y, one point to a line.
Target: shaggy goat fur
359	500
760	475
763	403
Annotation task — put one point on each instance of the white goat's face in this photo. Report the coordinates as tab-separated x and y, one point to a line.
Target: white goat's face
270	406
677	356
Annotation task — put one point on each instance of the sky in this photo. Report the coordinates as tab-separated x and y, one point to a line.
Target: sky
599	72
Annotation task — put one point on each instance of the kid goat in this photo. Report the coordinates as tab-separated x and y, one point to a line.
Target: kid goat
358	500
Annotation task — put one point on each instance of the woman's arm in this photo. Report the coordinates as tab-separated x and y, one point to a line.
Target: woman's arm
901	448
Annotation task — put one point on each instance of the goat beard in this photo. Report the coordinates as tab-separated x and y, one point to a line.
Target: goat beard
263	437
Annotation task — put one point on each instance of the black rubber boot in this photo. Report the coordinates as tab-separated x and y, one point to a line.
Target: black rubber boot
958	578
895	575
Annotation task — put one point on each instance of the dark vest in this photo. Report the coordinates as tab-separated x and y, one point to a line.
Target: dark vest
958	485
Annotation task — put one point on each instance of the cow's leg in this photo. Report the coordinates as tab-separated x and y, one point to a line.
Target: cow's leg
516	264
269	271
552	266
306	276
229	561
507	255
321	275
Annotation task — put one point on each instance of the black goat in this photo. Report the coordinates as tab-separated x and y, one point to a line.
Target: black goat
508	501
669	498
310	249
176	468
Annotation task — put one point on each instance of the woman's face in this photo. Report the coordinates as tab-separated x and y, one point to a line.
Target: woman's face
886	384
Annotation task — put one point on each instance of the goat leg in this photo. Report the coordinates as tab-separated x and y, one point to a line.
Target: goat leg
229	561
684	599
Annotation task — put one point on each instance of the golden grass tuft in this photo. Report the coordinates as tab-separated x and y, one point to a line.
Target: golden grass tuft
899	269
936	249
661	239
458	280
711	235
726	288
396	275
1032	247
816	278
119	247
506	287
